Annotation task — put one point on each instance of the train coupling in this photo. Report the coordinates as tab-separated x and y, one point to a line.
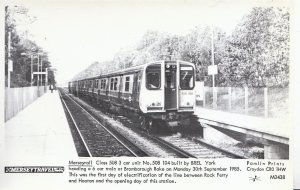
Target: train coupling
173	123
171	116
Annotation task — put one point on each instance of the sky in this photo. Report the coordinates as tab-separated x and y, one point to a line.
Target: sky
78	34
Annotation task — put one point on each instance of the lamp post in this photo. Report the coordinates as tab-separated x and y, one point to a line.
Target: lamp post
31	69
9	62
38	76
38	66
213	69
40	69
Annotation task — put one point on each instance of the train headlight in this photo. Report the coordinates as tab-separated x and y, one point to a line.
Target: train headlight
153	104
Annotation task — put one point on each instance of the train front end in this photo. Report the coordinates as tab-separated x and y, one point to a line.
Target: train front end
167	92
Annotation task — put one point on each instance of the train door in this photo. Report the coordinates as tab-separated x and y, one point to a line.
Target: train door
170	86
136	86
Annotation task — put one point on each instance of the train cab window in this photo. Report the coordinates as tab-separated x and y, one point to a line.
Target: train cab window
186	77
153	75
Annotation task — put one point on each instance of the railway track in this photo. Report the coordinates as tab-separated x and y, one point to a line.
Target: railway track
93	138
182	147
198	148
187	146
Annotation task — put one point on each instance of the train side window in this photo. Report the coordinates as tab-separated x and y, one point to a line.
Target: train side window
153	75
127	83
111	83
103	84
116	84
96	85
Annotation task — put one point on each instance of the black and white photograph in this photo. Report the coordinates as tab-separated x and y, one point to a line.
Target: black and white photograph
156	93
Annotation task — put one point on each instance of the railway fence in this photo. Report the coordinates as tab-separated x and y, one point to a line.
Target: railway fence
16	99
262	102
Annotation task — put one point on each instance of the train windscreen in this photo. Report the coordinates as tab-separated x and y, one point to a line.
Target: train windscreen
153	77
186	77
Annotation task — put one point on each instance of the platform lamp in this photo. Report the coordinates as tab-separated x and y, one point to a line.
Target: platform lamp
38	64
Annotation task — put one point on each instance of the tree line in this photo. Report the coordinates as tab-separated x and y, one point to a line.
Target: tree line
23	50
255	54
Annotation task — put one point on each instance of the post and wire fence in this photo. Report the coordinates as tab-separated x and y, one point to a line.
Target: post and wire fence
262	102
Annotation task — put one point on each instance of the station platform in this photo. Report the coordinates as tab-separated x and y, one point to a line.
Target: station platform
274	126
40	130
272	133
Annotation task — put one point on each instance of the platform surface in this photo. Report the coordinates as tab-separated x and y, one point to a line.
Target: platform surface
274	126
40	130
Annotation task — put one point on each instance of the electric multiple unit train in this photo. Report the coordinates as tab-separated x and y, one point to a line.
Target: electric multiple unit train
155	93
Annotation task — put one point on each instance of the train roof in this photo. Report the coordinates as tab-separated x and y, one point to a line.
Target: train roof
122	71
126	70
